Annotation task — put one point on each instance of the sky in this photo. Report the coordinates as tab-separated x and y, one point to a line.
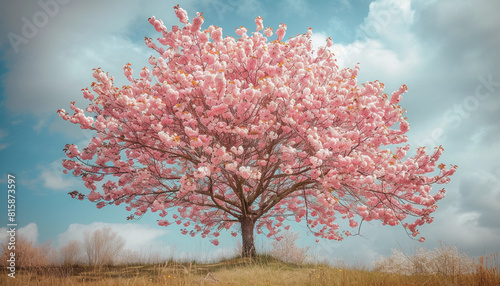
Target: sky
446	52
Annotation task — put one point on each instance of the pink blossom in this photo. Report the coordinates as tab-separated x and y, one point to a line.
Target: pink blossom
281	31
73	151
329	42
220	83
216	35
218	109
197	22
93	196
396	96
202	172
268	32
158	24
241	31
245	172
181	14
158	205
258	23
404	126
353	223
163	222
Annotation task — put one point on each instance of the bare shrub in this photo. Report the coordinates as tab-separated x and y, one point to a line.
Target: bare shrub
398	262
71	253
29	254
286	249
449	261
445	260
103	246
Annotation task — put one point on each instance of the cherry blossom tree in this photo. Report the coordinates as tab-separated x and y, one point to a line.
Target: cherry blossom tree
250	132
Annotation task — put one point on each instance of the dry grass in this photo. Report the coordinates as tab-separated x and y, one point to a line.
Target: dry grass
264	271
442	266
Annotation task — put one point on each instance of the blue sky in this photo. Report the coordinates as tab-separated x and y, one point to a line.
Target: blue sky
446	52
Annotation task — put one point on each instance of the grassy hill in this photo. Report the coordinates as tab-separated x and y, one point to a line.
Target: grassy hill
264	270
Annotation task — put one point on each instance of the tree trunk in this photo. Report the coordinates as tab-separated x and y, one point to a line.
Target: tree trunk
247	227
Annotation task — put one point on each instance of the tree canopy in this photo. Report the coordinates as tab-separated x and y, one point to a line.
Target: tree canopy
223	131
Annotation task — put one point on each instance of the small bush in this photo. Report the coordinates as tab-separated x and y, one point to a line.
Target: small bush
445	260
29	254
287	251
71	253
103	246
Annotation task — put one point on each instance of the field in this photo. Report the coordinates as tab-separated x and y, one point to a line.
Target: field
265	270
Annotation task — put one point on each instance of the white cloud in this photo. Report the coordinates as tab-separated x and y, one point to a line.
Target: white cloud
386	48
388	20
137	237
28	232
461	228
376	61
54	179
